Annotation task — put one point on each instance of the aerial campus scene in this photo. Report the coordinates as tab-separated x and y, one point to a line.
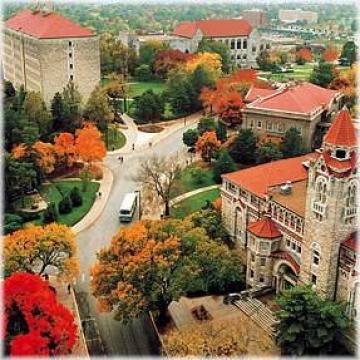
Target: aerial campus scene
180	178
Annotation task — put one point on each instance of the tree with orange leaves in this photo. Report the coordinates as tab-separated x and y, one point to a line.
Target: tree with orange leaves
330	54
20	151
207	145
64	146
36	248
210	61
228	107
303	55
44	156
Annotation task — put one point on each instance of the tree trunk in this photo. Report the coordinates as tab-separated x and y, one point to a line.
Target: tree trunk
167	208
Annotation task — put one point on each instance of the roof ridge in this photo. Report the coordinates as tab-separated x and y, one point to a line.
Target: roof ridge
277	92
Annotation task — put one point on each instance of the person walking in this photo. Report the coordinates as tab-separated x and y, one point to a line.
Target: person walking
133	147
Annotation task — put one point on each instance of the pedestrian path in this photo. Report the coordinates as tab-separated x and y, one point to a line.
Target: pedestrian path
99	203
192	193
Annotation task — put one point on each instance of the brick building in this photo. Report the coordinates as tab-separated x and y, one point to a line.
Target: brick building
256	17
294	220
292	16
305	106
44	51
244	42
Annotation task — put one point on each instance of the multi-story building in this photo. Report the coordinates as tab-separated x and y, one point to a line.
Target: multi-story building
43	51
295	219
292	16
255	17
305	106
244	42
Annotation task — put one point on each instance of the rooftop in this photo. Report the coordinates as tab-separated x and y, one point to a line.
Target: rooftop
214	28
351	242
303	98
259	179
254	93
294	201
46	25
264	228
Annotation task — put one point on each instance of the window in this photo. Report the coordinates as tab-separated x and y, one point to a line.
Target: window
262	261
293	246
340	154
254	49
321	190
281	128
238	57
71	77
71	66
245	44
252	257
298	249
269	125
251	273
244	56
261	47
238	45
261	278
315	257
70	55
70	43
232	46
259	124
264	246
313	279
267	46
231	187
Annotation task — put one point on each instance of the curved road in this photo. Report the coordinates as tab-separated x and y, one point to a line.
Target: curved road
137	338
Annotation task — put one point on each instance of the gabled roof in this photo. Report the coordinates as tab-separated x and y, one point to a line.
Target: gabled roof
264	228
302	98
351	242
254	93
46	25
214	28
342	131
260	178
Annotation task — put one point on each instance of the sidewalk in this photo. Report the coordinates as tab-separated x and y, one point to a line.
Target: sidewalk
192	193
99	203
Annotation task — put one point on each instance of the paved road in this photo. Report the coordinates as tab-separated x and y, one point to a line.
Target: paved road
137	338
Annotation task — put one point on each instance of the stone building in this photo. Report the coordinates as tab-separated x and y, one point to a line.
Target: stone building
44	51
305	106
295	220
292	16
244	42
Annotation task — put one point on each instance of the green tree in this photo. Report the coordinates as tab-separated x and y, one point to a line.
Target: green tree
348	53
268	152
51	213
143	73
292	144
217	47
308	325
190	137
221	131
72	107
206	124
9	89
323	74
98	109
264	61
148	51
199	79
75	196
148	107
224	164
244	147
58	113
36	112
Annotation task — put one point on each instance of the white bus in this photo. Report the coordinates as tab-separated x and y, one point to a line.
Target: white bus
128	207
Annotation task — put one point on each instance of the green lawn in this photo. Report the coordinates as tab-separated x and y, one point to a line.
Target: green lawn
193	203
52	194
115	139
188	182
138	88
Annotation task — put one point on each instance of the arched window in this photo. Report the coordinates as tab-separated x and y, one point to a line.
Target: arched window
321	188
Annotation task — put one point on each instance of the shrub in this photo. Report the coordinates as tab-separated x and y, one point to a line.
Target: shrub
143	73
76	197
51	213
10	227
12	222
96	171
65	205
198	175
28	216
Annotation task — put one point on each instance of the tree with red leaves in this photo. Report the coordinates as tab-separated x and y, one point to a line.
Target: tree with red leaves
228	107
169	59
35	323
303	55
330	54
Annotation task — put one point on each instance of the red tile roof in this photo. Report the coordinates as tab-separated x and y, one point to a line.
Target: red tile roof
302	98
264	228
214	28
46	26
259	178
288	257
254	93
342	131
340	165
351	242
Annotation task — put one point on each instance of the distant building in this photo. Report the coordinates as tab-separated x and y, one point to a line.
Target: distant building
295	220
44	51
292	16
244	42
255	17
305	106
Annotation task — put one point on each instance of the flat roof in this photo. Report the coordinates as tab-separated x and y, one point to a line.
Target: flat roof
128	201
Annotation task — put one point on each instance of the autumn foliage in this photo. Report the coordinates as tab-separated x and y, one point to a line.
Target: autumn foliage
210	61
330	54
207	144
34	248
35	323
304	55
64	146
44	156
167	60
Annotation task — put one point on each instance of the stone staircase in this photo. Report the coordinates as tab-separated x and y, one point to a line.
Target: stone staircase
258	312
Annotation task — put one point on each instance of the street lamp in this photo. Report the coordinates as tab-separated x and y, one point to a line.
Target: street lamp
139	202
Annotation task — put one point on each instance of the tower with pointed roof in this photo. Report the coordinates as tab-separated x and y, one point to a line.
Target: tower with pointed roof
331	209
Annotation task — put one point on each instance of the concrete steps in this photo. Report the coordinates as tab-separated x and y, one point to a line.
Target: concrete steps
258	312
